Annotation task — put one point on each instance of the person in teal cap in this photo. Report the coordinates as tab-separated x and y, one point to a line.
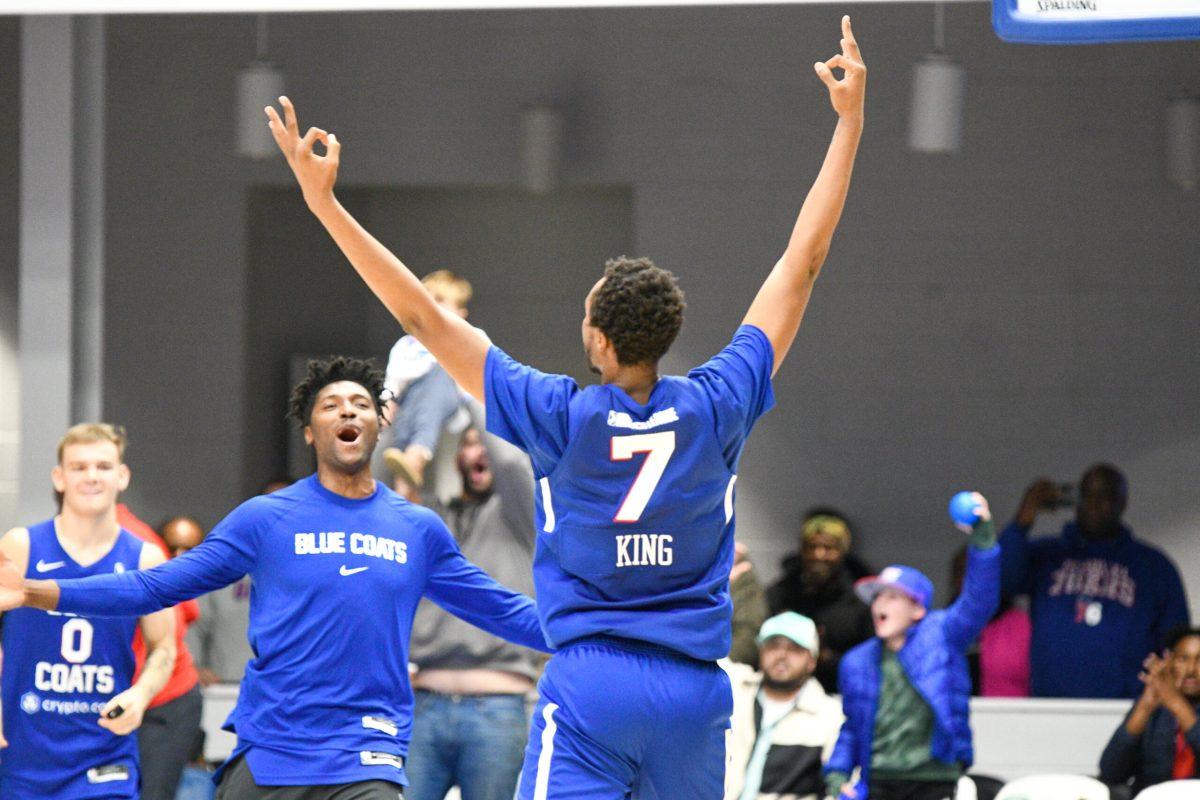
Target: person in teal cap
784	725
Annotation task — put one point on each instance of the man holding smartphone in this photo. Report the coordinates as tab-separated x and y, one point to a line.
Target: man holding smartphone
1099	599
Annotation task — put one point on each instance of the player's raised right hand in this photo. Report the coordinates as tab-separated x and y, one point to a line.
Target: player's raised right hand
846	95
315	173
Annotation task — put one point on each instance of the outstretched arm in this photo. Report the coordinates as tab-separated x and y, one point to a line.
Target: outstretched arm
460	348
472	595
780	303
226	554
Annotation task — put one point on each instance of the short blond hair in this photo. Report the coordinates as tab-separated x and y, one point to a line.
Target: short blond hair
89	432
445	285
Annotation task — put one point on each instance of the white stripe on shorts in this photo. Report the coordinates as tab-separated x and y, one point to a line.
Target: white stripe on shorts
547	505
729	499
543	773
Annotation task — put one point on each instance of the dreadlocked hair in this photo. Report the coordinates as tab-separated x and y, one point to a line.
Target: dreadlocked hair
322	372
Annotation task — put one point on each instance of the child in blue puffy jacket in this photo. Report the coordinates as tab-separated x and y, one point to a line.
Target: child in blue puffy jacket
906	692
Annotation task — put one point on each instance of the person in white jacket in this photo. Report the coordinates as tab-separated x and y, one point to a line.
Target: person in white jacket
783	726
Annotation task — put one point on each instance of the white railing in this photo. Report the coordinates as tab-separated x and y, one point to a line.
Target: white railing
1013	738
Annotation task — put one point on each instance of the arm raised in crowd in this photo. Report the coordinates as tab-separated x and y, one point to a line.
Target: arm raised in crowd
513	475
1016	552
967	616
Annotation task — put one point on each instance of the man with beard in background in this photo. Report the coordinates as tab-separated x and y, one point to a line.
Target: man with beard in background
817	584
783	726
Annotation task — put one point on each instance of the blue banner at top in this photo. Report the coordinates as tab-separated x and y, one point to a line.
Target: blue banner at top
1090	21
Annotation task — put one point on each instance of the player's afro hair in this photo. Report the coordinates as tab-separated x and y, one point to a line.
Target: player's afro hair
639	307
323	372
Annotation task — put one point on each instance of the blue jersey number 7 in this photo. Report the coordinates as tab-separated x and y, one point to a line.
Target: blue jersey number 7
658	448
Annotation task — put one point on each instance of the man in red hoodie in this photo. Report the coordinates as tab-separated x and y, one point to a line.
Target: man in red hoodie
167	738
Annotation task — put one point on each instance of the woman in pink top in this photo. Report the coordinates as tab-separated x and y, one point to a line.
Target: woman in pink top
1004	655
1003	651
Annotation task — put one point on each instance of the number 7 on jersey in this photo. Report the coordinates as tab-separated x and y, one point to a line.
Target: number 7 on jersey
658	447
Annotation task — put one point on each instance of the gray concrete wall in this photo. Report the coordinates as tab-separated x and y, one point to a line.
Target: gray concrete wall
10	130
1025	307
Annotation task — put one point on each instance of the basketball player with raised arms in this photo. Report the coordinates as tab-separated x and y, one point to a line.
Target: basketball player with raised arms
635	481
338	563
66	681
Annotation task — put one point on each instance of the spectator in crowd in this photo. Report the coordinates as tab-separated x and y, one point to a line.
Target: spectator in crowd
424	396
784	725
749	607
999	662
1099	599
181	534
1160	738
817	584
906	692
470	722
172	720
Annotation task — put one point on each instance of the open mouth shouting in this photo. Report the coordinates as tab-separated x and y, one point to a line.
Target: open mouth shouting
349	433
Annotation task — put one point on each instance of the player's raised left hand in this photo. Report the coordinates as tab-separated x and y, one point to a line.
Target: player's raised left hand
12	585
846	94
133	703
315	173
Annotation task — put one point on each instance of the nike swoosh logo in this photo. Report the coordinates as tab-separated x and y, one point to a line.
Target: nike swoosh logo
42	566
346	571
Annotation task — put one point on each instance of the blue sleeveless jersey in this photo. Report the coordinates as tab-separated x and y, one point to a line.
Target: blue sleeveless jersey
59	670
635	502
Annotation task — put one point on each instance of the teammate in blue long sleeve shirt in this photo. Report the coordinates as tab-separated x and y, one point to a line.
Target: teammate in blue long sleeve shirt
635	481
338	564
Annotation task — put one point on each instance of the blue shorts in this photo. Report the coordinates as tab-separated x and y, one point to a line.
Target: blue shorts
619	719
